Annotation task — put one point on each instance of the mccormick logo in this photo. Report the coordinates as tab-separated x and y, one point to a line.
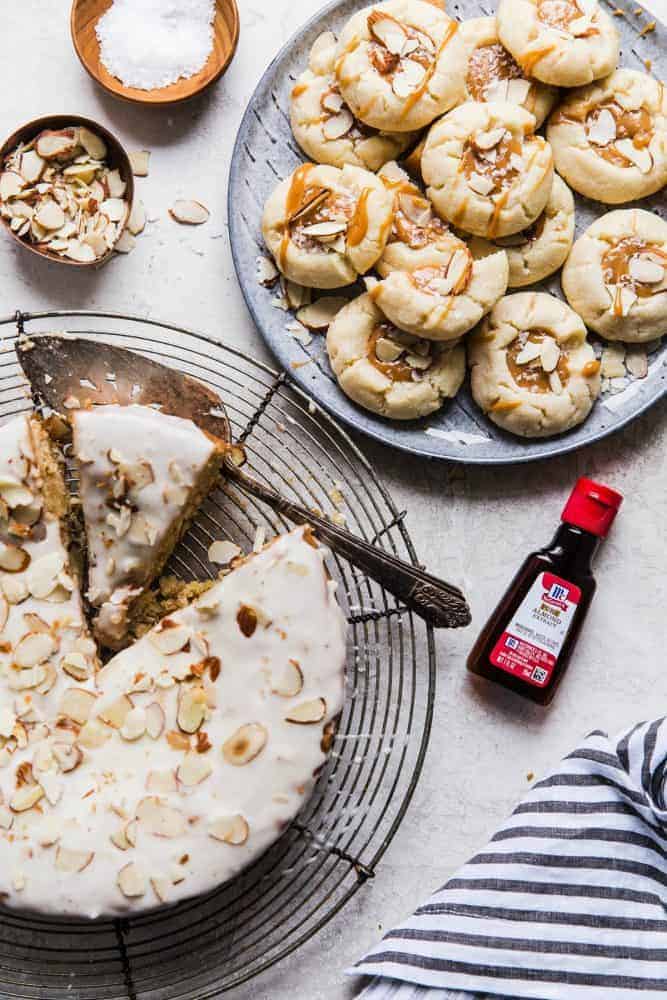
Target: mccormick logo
556	596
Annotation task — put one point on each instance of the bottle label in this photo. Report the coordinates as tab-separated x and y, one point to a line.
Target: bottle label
530	645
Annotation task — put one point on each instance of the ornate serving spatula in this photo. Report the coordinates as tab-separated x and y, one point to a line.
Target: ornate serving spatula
67	372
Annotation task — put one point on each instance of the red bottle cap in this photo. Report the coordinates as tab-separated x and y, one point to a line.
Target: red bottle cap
592	507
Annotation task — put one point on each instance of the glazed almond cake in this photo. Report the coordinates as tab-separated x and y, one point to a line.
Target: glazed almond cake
165	772
143	474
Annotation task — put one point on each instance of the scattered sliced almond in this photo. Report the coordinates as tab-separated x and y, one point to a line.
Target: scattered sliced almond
76	665
13	559
139	161
34	648
232	830
388	32
137	219
134	725
170	638
636	360
245	744
308	712
94	734
115	714
408	78
132	881
267	272
155	720
480	184
612	361
530	352
387	350
190	213
68	755
25	798
72	861
53	786
555	383
324	230
163	782
490	139
517	90
320	314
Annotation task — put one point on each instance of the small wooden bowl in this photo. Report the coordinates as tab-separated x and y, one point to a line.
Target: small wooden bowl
84	17
117	159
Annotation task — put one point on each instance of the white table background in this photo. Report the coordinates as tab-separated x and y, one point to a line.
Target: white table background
473	525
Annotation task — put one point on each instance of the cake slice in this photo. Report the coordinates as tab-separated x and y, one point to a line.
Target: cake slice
44	642
142	476
199	744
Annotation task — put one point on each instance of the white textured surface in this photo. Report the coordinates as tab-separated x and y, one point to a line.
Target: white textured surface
472	527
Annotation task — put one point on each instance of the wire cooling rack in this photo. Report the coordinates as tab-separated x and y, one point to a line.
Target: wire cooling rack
205	947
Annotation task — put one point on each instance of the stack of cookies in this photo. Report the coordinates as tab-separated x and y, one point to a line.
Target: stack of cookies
429	177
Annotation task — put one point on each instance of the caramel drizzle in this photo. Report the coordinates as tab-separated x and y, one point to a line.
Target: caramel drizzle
293	202
410	101
529	60
358	225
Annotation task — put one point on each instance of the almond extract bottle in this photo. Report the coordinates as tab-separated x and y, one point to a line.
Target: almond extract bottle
527	643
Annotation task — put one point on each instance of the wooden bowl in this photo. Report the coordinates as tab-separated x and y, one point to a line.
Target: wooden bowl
117	159
84	17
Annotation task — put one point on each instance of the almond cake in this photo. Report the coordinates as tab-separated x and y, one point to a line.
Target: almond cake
143	474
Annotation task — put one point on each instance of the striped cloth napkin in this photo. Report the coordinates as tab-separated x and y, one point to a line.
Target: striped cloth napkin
567	902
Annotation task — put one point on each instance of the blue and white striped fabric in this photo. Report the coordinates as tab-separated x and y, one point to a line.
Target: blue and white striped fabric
567	902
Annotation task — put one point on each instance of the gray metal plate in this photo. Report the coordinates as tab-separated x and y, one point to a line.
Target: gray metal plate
266	152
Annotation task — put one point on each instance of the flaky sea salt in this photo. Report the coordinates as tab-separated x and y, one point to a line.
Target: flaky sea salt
153	43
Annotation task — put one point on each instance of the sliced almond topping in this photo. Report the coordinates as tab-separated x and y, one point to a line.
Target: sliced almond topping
332	101
72	861
602	129
119	839
13	559
408	78
115	714
530	352
223	552
193	769
646	270
169	637
387	350
132	881
162	781
289	682
245	744
387	32
555	383
94	734
639	156
77	704
155	720
549	354
517	91
53	786
76	665
160	819
308	712
490	139
232	830
192	708
134	726
480	184
161	888
324	230
178	741
25	798
321	313
498	90
34	648
191	213
338	125
69	756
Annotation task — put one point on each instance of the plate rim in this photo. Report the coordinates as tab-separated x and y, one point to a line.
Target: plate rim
560	447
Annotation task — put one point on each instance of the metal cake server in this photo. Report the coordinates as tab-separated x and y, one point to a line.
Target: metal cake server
67	372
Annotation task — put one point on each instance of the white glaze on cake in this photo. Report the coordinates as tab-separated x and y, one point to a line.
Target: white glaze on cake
138	469
131	829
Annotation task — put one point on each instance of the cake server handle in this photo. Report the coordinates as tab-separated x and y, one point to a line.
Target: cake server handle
440	604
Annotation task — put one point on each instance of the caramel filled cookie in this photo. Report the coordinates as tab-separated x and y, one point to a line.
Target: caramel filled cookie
616	276
486	170
532	370
492	74
400	64
610	139
324	126
388	371
566	43
326	226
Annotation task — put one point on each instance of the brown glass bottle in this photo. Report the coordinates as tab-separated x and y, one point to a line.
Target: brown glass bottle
527	643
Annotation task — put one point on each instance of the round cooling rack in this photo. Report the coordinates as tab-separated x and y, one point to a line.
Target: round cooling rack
266	152
209	945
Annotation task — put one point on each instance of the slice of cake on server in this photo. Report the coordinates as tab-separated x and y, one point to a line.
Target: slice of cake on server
143	474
